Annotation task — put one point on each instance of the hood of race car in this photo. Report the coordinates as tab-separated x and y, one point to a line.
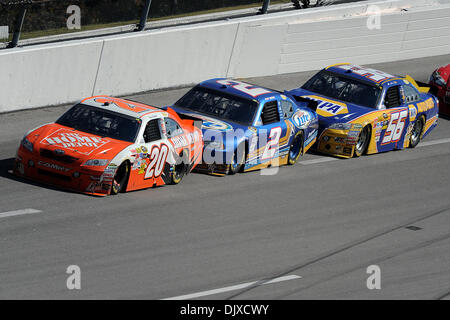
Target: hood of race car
332	110
54	140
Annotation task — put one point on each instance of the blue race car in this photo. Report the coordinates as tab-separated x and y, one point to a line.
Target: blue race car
363	110
247	127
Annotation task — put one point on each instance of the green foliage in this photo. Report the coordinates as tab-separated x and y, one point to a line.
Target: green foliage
52	14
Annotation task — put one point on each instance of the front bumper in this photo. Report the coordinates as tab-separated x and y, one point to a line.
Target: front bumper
337	142
70	177
215	169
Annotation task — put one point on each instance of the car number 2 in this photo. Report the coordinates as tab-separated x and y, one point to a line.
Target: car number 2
395	127
158	157
273	143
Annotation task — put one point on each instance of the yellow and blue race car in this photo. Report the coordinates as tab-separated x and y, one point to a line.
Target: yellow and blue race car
362	110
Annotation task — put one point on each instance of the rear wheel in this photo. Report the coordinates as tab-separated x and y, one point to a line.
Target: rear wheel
120	179
363	141
296	148
416	132
179	170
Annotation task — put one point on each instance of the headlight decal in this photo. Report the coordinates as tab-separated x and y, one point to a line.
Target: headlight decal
96	162
27	144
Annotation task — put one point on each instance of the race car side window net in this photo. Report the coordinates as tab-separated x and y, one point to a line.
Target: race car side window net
411	94
152	132
392	99
173	129
270	113
287	107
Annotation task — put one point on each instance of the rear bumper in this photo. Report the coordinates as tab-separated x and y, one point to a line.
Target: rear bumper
30	166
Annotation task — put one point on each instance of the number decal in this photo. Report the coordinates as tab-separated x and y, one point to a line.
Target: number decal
371	74
272	143
395	127
158	158
244	87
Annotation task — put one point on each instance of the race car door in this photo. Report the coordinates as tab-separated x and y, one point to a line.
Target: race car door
271	134
151	159
397	118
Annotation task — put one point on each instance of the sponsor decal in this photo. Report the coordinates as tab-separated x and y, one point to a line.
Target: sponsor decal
119	103
185	140
327	107
53	166
81	142
312	135
412	112
214	124
300	118
425	105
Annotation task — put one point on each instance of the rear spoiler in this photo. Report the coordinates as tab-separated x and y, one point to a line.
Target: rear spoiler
421	86
311	104
197	122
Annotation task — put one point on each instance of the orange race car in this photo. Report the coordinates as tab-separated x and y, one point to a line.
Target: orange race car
105	145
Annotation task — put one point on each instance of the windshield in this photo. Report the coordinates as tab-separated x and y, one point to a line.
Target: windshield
100	122
344	89
219	105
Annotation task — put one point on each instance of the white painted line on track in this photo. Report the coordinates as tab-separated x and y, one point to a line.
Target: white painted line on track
18	213
433	142
421	144
320	160
232	288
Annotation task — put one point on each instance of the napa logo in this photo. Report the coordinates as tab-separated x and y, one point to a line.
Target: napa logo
328	108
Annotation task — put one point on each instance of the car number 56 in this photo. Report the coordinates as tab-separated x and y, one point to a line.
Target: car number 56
395	127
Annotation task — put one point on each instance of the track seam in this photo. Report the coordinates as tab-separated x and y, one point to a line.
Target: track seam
375	261
344	248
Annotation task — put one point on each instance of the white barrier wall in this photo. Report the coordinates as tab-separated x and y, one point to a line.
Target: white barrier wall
47	75
286	42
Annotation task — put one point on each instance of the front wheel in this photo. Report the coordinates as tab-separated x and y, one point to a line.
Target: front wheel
416	132
363	141
296	148
237	161
120	179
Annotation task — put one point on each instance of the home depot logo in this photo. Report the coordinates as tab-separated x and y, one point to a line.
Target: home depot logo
70	140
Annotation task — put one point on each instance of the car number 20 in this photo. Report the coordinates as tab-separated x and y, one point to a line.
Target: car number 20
158	157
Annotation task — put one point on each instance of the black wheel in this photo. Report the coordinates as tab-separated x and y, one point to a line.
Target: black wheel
120	179
237	161
416	132
179	170
296	148
363	142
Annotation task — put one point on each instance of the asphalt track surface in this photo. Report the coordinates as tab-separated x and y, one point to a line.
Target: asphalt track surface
314	228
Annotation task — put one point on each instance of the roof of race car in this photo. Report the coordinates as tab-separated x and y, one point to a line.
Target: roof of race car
362	73
126	107
239	88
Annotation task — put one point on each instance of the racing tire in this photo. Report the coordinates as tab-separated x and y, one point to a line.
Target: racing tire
416	132
363	142
179	170
296	148
236	164
120	180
